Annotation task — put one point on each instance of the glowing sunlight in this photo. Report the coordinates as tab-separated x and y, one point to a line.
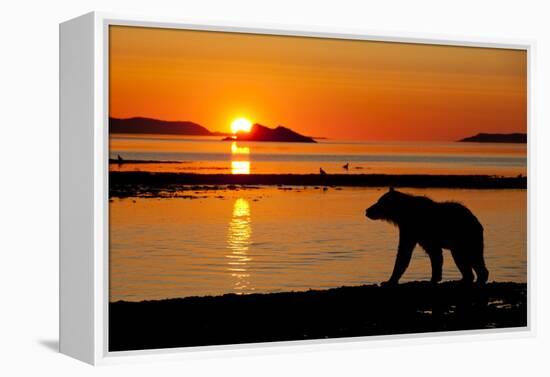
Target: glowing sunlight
241	125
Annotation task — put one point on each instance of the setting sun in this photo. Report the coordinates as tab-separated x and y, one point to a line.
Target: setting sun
241	125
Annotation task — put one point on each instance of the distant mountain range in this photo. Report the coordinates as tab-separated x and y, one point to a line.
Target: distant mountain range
497	138
263	133
140	125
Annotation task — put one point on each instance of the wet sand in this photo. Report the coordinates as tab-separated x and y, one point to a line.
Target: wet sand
416	307
128	184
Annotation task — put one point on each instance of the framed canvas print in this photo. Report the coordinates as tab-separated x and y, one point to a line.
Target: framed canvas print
223	185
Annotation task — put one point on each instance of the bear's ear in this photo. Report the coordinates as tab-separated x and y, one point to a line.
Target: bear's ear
391	189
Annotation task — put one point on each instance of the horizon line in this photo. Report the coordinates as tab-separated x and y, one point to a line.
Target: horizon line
224	133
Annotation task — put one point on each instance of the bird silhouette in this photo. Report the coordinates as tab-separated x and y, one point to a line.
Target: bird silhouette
119	159
322	172
346	166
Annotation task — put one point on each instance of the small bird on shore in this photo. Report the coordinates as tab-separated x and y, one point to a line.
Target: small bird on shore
322	172
119	159
346	166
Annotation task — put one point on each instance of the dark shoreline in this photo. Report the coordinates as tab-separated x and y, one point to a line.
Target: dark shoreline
123	162
416	307
129	184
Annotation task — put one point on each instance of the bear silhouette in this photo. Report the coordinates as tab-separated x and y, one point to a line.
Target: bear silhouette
434	226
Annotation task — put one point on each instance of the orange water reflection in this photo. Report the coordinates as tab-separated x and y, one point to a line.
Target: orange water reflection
235	149
240	163
238	242
240	167
306	158
271	240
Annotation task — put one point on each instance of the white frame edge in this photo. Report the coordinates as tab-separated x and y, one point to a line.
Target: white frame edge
76	176
84	241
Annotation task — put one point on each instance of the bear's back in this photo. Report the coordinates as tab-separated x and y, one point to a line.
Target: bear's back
449	224
455	212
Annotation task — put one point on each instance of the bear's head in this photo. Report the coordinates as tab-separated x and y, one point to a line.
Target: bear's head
387	207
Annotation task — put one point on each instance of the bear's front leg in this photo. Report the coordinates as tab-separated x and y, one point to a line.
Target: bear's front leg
388	283
404	253
436	258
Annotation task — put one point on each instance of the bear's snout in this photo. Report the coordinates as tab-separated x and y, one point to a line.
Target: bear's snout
371	213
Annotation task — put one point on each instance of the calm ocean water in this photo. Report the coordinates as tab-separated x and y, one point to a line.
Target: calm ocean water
274	239
209	155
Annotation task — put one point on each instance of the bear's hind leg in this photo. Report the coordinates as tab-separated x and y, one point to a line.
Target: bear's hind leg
461	259
481	271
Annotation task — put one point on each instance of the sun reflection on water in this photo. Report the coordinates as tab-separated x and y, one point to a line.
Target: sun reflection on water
238	241
240	167
240	163
235	149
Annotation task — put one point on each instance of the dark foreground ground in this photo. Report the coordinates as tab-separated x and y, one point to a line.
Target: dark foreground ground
415	307
145	184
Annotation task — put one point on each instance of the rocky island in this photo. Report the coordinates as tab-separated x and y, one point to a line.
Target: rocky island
263	133
519	138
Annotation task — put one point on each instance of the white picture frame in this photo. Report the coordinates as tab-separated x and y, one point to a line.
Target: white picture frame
84	140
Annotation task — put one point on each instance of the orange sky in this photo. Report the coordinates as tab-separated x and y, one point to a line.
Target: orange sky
318	87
